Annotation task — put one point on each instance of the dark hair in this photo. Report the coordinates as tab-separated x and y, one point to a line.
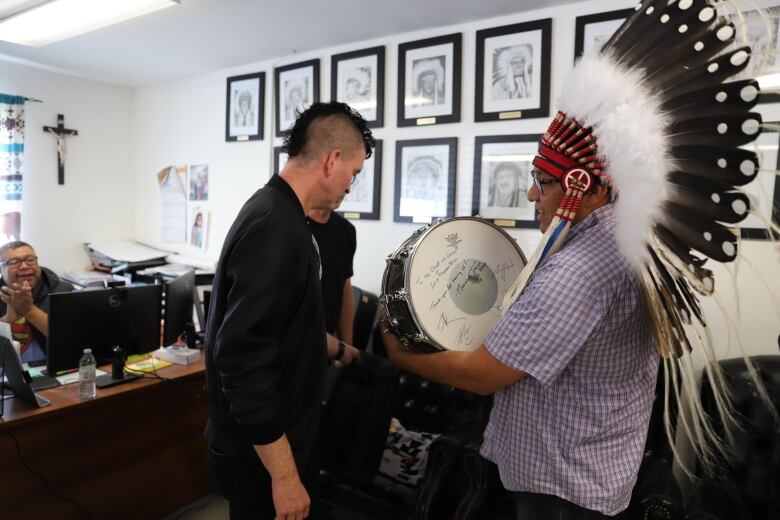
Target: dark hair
295	139
15	244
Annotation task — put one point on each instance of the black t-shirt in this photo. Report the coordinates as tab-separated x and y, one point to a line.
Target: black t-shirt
337	242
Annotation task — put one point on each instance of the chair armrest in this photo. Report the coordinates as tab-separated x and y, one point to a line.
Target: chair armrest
656	495
439	491
715	500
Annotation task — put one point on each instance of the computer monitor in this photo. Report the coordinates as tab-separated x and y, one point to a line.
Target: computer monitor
180	297
100	320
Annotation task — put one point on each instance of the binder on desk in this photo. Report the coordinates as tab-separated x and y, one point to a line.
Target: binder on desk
123	256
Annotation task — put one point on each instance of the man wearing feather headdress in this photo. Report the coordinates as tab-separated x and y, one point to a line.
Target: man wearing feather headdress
572	367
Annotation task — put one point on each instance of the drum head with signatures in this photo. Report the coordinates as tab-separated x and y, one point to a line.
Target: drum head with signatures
456	276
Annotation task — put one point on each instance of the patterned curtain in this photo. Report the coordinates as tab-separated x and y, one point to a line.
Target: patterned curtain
11	162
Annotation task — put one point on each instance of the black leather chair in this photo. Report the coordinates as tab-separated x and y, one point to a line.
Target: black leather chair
747	487
366	305
355	426
354	430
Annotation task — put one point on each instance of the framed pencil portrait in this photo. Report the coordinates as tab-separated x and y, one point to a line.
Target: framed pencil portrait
363	199
594	30
425	179
244	114
761	30
513	71
429	75
280	158
296	87
764	191
502	176
358	79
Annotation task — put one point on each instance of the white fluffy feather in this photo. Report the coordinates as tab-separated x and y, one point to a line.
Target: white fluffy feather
631	134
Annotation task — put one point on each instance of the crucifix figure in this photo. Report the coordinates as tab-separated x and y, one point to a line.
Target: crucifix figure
60	132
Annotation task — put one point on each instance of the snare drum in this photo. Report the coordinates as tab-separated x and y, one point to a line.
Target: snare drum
443	286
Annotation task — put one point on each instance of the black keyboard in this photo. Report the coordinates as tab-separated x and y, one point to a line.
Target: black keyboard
43	382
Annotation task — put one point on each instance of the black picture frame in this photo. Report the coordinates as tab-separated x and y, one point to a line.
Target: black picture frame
353	206
297	77
430	58
245	107
366	69
516	212
412	203
752	228
499	97
279	151
582	23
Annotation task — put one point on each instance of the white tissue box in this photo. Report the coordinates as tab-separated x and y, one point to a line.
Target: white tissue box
178	355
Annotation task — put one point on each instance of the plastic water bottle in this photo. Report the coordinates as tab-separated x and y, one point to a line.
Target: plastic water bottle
87	365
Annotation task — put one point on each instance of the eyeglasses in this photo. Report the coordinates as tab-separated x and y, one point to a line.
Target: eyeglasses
541	183
14	262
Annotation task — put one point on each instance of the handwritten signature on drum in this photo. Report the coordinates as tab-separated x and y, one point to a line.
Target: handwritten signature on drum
503	267
464	336
438	270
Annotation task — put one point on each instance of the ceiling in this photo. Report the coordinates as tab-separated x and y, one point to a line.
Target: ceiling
200	36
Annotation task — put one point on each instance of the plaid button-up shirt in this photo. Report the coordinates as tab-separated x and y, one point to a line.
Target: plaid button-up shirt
577	425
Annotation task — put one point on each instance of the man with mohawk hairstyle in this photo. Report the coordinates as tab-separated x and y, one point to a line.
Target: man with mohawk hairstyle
635	183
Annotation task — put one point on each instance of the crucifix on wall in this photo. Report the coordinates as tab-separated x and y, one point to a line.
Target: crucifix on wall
60	132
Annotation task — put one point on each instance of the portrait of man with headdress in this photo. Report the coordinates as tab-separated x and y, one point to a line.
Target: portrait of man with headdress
513	72
423	178
424	181
428	81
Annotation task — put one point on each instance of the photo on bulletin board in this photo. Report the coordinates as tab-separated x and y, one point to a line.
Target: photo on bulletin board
429	75
513	71
280	158
199	227
358	79
296	87
502	176
362	201
244	114
594	30
762	32
425	179
764	191
199	182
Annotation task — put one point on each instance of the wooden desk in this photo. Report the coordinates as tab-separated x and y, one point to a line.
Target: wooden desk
135	451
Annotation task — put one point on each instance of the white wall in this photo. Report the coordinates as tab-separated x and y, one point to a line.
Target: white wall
95	202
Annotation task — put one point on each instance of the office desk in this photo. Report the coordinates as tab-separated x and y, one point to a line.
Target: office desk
135	451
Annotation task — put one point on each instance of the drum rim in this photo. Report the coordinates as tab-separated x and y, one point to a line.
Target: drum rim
413	251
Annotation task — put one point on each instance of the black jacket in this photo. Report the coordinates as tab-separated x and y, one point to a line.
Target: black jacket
48	284
265	335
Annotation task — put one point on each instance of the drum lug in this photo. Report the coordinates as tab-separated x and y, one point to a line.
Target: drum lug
399	295
395	257
420	338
